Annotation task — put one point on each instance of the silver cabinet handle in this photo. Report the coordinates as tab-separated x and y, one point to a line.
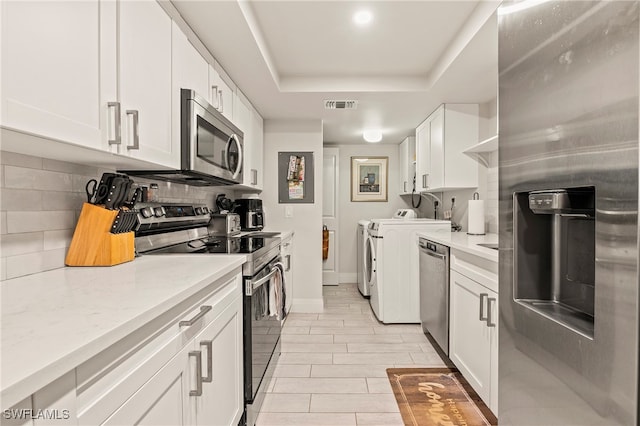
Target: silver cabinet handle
209	345
117	132
189	323
136	129
254	177
198	357
489	322
482	297
288	257
215	95
404	186
424	181
220	101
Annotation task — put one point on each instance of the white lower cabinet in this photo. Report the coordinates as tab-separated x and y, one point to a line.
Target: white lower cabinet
183	368
473	331
163	400
220	346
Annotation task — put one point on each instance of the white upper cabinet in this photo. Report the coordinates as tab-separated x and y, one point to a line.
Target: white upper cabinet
189	71
57	69
247	119
407	153
257	155
145	83
440	142
221	95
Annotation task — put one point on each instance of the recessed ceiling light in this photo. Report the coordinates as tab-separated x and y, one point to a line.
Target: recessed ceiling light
372	135
362	17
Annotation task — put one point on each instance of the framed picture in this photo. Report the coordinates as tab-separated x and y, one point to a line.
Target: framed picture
369	178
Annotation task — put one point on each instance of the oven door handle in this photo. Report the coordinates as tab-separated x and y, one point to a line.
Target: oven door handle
251	286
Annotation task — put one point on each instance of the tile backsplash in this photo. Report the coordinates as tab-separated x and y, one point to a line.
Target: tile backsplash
40	200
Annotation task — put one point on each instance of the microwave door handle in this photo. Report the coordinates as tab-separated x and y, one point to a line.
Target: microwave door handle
235	139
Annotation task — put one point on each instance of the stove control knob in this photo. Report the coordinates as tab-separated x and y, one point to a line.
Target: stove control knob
159	211
146	212
205	210
199	211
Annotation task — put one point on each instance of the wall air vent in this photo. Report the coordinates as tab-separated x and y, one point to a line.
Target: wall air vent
330	104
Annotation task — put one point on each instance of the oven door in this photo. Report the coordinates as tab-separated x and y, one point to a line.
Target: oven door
261	331
215	145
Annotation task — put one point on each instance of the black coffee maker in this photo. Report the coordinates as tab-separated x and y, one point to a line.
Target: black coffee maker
251	213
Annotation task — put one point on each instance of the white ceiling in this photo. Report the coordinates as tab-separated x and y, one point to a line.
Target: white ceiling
289	56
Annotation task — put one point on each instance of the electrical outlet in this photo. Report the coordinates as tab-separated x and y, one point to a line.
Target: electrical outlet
447	214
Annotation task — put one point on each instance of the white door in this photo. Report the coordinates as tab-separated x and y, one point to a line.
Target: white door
57	69
470	338
145	83
330	266
220	343
164	399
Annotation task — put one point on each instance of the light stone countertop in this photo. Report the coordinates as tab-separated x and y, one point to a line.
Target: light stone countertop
465	242
53	321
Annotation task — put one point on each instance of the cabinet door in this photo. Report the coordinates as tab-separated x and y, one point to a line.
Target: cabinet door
257	150
222	399
243	120
189	71
422	155
403	152
221	94
436	146
54	81
470	338
145	83
164	399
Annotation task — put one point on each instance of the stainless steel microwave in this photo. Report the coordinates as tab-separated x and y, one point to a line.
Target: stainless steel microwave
211	147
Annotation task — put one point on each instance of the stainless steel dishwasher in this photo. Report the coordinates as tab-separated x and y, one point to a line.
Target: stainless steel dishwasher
434	291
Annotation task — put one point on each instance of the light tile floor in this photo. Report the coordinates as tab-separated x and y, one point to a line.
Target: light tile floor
332	370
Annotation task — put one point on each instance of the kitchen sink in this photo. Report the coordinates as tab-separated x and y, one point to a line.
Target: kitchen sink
493	246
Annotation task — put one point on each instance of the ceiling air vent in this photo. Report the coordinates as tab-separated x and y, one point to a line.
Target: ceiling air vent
340	104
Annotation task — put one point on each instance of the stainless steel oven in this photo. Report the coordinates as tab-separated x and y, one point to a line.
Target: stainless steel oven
263	290
262	329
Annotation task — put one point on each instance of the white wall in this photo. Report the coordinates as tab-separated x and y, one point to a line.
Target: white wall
306	222
351	212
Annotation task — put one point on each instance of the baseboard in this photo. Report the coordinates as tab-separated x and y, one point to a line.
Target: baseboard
307	306
348	277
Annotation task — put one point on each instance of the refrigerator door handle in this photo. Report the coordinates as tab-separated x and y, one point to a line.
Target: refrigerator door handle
482	297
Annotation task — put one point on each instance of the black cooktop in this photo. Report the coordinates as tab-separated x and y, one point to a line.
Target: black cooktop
245	244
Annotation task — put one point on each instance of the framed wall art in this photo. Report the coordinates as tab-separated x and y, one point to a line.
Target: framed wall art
369	178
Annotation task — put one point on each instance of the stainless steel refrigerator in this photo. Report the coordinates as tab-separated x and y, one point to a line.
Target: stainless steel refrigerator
568	156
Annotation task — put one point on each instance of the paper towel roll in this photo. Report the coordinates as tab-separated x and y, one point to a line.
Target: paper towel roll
476	217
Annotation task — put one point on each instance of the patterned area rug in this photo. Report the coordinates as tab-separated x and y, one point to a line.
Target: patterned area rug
437	396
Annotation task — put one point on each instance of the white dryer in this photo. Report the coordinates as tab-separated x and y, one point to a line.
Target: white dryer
393	269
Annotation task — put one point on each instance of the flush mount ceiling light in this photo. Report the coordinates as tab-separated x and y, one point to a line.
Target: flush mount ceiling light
362	17
372	135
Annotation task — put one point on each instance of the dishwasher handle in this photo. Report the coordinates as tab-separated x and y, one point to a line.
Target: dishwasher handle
427	250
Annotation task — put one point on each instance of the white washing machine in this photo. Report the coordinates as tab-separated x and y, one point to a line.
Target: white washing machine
363	285
393	267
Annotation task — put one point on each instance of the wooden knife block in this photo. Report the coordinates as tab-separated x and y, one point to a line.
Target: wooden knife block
94	245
